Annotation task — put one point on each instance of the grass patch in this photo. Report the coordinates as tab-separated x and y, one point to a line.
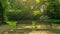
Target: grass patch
12	23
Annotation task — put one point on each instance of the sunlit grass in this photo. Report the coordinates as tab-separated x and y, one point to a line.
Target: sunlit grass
16	33
56	26
12	24
5	32
38	26
40	32
33	31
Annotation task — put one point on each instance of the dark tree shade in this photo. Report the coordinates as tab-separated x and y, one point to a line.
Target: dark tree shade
1	14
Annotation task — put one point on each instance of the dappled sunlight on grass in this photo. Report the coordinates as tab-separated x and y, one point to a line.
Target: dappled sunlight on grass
40	32
56	26
5	32
22	27
33	26
16	33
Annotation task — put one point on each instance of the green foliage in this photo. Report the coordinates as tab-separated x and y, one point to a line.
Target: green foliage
12	23
33	23
53	21
53	9
26	12
38	1
5	5
19	10
36	12
20	15
44	17
2	10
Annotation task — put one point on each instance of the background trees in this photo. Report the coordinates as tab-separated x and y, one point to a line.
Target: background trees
24	10
53	10
30	10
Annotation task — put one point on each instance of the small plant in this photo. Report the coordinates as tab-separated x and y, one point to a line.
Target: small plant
12	23
34	24
44	18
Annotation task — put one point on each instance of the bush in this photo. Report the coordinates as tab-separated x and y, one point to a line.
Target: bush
53	21
56	21
44	17
20	15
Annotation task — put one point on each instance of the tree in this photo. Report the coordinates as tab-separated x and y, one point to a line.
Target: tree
3	6
53	10
1	13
